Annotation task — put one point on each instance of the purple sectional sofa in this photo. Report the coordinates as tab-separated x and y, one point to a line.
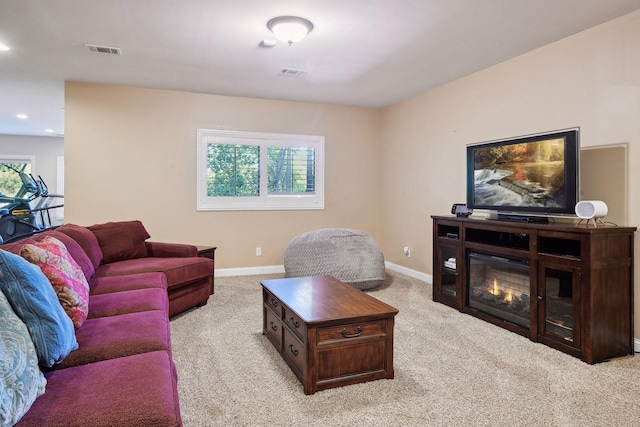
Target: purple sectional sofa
120	372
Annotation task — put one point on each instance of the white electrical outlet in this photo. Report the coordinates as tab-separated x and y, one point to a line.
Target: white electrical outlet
258	251
407	251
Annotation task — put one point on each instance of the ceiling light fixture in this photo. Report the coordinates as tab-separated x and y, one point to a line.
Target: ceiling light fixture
22	116
290	29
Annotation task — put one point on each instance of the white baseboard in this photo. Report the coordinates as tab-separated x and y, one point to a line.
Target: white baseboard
249	271
278	269
409	272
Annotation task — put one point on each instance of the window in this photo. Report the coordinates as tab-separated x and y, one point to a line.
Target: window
259	171
11	184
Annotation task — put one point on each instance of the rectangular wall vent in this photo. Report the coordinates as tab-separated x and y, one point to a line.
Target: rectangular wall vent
292	72
104	49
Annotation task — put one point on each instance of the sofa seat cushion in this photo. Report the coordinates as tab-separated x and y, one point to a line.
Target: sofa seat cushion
111	337
133	301
178	271
138	390
121	240
110	284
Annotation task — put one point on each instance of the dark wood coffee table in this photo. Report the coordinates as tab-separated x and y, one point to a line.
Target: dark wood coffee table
329	333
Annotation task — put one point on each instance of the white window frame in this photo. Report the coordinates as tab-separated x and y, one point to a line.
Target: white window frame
265	201
20	158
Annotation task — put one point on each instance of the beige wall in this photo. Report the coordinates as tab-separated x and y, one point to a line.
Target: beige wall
591	80
131	154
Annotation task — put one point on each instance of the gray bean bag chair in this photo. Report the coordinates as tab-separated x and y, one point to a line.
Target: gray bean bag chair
351	256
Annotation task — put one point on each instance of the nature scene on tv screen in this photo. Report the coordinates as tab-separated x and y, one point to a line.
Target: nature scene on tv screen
529	174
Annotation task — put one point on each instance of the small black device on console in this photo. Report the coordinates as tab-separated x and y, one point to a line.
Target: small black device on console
460	209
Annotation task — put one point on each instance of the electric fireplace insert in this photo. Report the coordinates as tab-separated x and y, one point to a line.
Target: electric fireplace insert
500	287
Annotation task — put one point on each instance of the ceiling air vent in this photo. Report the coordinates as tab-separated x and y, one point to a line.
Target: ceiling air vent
292	72
104	49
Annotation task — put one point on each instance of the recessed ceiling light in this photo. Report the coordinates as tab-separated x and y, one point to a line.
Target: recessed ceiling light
4	47
49	130
22	116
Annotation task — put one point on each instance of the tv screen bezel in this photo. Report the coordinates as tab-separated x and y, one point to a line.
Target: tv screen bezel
571	173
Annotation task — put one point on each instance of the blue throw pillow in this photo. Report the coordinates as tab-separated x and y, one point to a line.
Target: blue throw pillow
33	299
21	381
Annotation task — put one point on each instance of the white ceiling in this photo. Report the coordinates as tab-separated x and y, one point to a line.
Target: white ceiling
369	53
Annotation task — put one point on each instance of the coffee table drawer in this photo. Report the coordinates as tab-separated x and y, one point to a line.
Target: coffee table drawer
294	351
273	303
342	362
296	324
352	331
273	328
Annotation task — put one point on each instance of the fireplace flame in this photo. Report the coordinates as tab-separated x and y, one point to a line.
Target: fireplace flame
495	290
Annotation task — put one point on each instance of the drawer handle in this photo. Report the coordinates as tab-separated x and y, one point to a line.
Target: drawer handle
273	302
293	350
273	327
294	323
357	334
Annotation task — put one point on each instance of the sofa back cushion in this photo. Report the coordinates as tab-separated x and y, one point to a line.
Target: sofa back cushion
86	239
33	299
75	250
14	247
121	240
66	277
64	234
21	382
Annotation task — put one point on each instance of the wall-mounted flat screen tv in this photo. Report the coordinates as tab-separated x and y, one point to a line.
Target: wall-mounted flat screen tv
535	174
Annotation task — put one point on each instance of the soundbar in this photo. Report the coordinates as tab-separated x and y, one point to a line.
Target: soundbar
523	218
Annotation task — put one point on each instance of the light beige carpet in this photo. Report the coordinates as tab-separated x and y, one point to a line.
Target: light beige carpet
450	369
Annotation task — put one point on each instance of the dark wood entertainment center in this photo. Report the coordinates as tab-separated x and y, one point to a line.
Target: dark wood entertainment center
566	285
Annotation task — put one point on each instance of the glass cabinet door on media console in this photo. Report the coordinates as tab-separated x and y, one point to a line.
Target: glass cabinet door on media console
447	251
559	305
559	279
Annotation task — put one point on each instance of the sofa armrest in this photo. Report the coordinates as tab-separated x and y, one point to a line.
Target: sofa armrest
170	250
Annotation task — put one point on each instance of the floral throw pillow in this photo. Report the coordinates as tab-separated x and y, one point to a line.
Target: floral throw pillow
65	276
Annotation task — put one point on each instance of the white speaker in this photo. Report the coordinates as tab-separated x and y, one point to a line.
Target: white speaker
587	209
